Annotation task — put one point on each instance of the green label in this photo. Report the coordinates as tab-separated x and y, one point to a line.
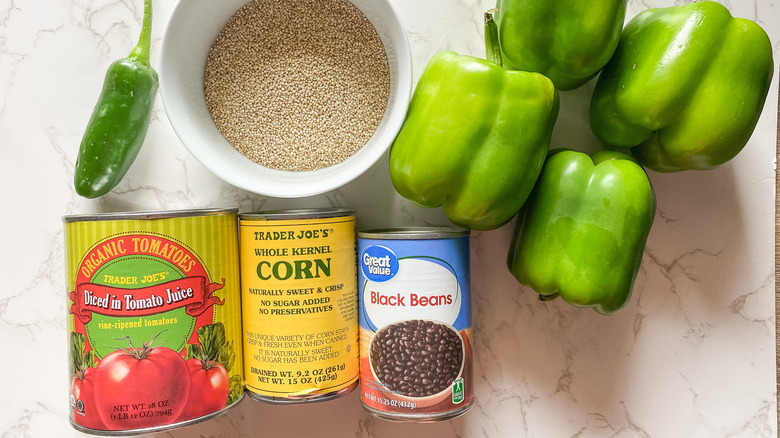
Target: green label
127	286
140	287
457	391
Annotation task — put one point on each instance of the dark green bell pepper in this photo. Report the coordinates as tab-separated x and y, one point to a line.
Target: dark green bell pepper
474	139
685	87
118	125
584	229
568	41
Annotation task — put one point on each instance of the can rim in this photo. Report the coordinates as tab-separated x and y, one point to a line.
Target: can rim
413	233
158	428
298	213
148	214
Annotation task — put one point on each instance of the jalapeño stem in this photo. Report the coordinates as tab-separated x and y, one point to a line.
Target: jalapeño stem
141	51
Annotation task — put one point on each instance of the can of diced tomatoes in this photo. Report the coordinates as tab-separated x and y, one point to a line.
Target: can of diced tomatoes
415	323
299	301
154	318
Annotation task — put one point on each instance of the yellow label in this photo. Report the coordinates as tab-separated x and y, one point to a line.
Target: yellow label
299	298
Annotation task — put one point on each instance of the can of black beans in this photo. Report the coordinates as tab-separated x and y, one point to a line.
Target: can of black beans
299	304
415	323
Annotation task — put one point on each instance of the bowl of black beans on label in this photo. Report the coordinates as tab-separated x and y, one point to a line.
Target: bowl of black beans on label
417	359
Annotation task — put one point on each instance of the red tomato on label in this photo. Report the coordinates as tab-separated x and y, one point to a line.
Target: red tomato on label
139	388
85	410
209	390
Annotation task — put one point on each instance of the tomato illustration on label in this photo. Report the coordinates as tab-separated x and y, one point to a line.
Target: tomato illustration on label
208	363
141	387
145	350
209	390
82	385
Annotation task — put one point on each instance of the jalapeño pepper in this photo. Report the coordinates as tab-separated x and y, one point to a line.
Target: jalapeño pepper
118	125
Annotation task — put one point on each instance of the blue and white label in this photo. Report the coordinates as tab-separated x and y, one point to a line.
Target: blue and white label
414	279
378	263
424	289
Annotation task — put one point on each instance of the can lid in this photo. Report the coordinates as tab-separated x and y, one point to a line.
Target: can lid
298	213
413	233
148	215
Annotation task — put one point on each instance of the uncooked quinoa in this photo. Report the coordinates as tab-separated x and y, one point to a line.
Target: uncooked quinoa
297	85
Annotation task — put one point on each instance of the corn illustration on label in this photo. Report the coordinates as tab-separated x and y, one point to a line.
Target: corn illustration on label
154	316
299	301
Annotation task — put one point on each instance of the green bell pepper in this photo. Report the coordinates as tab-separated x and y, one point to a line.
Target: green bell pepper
118	125
474	139
685	87
584	229
568	41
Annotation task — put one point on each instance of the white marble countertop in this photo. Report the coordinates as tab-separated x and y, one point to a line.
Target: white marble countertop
692	355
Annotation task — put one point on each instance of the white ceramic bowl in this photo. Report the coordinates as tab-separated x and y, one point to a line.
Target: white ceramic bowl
192	28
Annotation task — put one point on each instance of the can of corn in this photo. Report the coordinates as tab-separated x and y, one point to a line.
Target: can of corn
299	301
154	318
415	323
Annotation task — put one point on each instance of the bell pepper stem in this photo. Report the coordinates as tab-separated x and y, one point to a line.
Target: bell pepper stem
492	46
141	51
